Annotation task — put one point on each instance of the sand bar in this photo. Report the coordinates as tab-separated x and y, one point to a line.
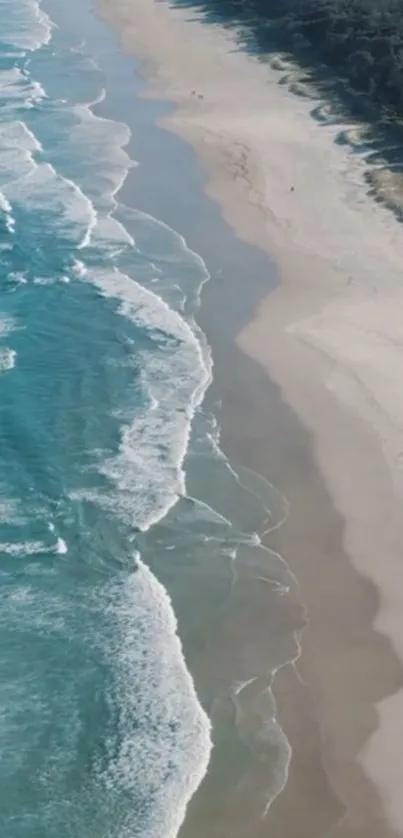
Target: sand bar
331	337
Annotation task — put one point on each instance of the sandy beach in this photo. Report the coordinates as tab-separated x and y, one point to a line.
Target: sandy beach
330	337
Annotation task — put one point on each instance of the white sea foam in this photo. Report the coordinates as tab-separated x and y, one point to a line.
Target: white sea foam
36	186
148	469
146	476
17	89
46	615
21	595
79	269
174	245
112	236
7	359
28	26
43	192
17	147
7	325
6	209
32	548
104	141
17	278
5	205
170	257
16	134
61	547
23	548
10	512
164	733
44	280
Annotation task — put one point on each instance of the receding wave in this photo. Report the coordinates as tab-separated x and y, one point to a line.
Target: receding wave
161	728
28	26
147	471
61	168
99	421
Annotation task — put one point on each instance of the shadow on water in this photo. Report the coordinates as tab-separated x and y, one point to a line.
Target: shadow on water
374	132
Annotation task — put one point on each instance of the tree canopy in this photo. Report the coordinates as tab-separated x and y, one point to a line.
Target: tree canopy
360	40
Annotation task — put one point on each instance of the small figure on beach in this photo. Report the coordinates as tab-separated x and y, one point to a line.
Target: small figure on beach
292	189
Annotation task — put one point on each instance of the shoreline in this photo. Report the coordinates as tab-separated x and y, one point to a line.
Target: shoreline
304	317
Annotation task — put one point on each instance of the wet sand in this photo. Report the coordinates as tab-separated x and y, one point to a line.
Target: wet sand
329	337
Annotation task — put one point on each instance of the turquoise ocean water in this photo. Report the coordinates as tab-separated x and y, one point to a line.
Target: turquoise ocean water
116	504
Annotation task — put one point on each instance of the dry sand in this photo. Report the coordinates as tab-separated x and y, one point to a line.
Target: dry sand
331	335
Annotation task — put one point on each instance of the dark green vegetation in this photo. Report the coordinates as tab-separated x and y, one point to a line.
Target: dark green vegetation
361	41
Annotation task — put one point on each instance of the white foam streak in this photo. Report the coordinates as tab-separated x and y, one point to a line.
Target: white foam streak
107	140
148	469
5	205
32	548
29	26
36	186
7	325
24	548
10	512
146	476
40	189
79	269
7	359
164	702
6	209
18	89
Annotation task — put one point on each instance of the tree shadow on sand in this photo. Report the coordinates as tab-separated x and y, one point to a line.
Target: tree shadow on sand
369	130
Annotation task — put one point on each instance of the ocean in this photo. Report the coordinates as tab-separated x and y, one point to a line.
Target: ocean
121	520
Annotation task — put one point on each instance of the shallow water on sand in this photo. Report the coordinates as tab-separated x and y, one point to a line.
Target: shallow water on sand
118	512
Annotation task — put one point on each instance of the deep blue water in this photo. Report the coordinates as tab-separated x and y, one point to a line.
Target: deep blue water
102	371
